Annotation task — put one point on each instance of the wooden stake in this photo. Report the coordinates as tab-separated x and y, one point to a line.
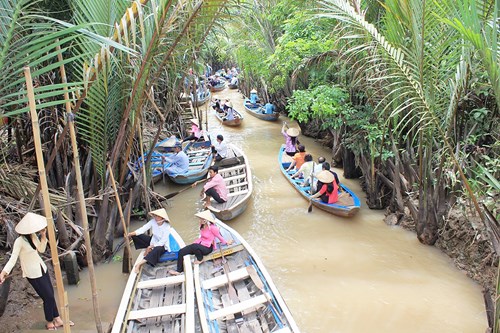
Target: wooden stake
64	307
81	197
125	229
144	159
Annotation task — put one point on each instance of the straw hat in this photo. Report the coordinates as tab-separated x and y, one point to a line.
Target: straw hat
169	143
206	215
195	121
229	104
161	213
292	132
253	91
31	223
325	177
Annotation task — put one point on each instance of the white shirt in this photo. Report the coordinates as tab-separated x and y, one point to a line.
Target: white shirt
161	233
221	149
28	256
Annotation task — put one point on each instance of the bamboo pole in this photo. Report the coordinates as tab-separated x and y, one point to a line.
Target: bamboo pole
144	159
125	232
81	197
64	307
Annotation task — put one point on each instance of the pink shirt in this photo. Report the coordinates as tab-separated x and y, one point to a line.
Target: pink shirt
208	235
196	131
218	183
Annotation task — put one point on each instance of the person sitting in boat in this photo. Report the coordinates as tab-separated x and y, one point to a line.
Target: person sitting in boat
229	112
306	170
204	244
215	187
326	166
195	133
328	192
179	161
298	158
291	140
155	245
254	99
269	108
219	148
234	81
318	167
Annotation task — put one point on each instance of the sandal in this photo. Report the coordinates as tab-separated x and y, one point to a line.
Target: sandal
70	324
51	327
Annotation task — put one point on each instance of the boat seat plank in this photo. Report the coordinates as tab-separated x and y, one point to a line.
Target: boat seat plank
216	253
191	152
222	279
157	312
239	307
233	194
161	282
235	177
233	168
283	330
236	185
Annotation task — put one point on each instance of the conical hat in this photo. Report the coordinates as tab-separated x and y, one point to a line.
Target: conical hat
292	132
161	213
253	91
206	215
31	223
169	143
195	121
325	177
229	104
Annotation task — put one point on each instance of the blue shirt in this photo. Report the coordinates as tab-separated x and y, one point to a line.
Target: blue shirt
180	163
270	108
253	98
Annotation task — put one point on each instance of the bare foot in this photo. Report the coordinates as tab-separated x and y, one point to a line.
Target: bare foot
172	272
197	262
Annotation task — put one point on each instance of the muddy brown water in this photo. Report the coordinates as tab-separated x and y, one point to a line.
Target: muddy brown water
336	275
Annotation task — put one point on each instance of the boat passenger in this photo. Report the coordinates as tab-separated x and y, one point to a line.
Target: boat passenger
155	245
298	158
219	148
229	112
269	108
196	132
318	167
254	99
26	247
306	170
179	161
215	187
326	166
204	244
291	140
234	81
328	192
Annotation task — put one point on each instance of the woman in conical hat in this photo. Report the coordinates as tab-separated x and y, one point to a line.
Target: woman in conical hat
203	245
195	133
253	96
155	245
291	140
329	190
26	248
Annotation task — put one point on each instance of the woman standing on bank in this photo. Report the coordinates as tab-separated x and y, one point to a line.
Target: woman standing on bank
26	248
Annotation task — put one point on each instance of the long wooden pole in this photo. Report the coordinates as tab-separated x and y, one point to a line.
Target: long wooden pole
125	232
64	307
81	197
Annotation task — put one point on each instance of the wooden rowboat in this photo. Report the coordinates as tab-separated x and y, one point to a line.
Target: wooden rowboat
162	149
201	98
258	111
153	300
218	87
235	293
200	159
238	118
346	206
238	178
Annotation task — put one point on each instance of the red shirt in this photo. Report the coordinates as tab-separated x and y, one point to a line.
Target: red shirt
333	197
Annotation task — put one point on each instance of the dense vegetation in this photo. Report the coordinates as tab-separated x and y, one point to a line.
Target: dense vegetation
406	92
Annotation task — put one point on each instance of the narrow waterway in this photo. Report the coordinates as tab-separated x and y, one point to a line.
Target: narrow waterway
336	275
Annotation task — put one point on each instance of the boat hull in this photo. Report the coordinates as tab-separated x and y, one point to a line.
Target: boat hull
234	122
257	111
200	159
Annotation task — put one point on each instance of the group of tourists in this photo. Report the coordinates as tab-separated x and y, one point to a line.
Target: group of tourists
225	108
254	101
324	182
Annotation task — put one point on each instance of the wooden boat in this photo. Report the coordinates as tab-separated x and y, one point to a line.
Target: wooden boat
347	206
257	110
218	87
232	86
235	293
200	159
162	149
153	300
234	122
202	97
238	177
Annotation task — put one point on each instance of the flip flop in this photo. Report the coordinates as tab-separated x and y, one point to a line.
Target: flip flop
51	328
70	324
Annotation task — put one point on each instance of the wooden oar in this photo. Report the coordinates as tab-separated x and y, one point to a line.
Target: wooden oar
233	295
259	284
310	208
171	195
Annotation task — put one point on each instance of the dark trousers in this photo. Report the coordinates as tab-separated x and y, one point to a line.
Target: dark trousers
197	249
142	242
44	289
211	192
292	154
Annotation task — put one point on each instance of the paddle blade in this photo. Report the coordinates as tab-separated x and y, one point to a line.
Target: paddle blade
171	195
310	208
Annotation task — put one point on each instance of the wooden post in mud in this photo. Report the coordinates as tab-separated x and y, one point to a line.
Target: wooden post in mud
70	118
118	203
63	305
